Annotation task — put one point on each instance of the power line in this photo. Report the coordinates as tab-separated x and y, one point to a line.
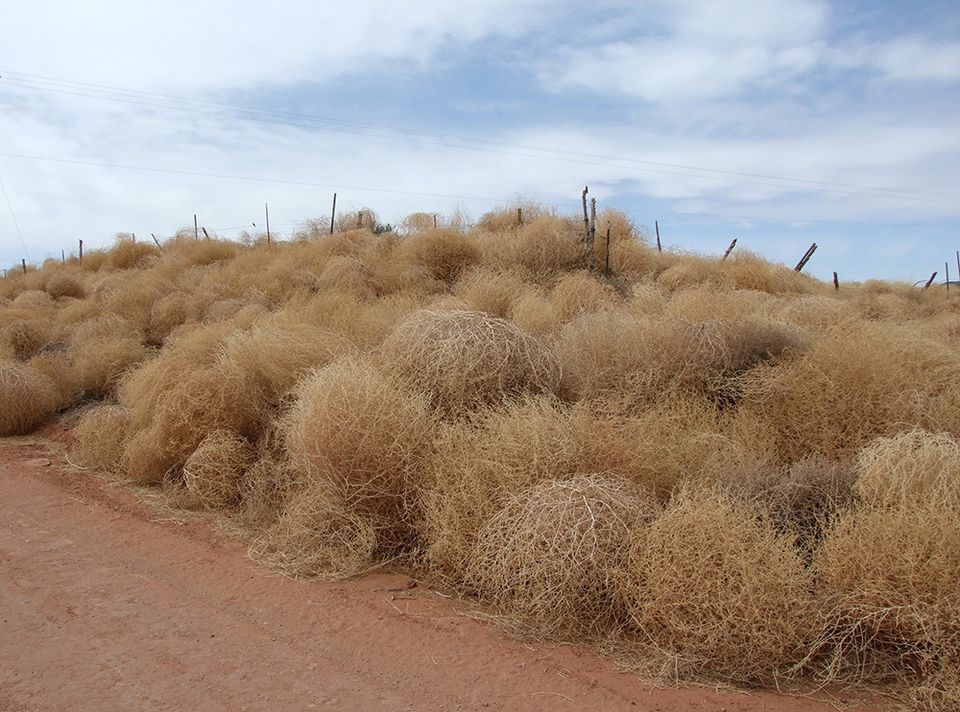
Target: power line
361	189
255	179
13	216
155	100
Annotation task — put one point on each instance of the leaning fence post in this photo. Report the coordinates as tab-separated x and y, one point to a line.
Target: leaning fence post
806	257
929	281
205	233
729	250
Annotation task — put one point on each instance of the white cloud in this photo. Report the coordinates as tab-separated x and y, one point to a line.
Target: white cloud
916	59
707	50
219	44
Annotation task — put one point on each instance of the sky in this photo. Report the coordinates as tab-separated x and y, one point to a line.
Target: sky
778	122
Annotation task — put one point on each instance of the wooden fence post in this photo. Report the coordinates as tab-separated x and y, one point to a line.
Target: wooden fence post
929	281
656	226
196	232
806	257
81	251
729	250
836	282
333	212
24	263
606	266
156	240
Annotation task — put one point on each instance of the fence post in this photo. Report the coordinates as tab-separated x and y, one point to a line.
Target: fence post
266	209
836	282
196	232
806	257
929	281
333	212
156	240
81	251
606	265
656	226
24	263
729	250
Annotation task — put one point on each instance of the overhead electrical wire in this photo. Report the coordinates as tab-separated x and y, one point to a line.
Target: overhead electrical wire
165	101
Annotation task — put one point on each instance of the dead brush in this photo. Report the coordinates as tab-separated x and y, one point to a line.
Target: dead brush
478	464
466	360
492	292
318	535
852	386
658	446
346	274
65	285
22	339
56	364
277	352
550	559
715	591
100	434
535	313
28	398
914	466
615	352
264	489
444	252
543	247
213	472
507	218
889	604
102	350
364	436
581	292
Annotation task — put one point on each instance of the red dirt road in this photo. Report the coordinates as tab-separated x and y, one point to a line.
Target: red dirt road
105	607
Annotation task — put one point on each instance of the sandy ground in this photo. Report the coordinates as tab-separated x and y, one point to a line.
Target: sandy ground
106	606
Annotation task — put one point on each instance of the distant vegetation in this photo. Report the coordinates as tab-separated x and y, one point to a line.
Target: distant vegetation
711	469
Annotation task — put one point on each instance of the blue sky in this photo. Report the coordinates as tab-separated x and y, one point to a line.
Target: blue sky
779	122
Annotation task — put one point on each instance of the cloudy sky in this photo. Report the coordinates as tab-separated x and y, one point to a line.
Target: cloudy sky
779	122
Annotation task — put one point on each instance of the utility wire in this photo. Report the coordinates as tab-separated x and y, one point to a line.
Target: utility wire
154	100
16	223
255	179
502	200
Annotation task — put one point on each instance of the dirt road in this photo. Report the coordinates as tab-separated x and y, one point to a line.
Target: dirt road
103	606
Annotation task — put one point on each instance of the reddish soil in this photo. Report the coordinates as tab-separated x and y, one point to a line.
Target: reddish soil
104	605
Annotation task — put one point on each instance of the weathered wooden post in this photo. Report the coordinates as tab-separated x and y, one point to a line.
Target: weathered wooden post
729	250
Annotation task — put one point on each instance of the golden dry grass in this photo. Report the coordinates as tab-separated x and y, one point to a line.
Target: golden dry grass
714	589
552	557
724	469
28	398
465	360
